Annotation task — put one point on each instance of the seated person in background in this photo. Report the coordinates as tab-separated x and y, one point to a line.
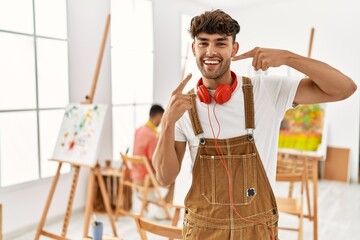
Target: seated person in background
145	140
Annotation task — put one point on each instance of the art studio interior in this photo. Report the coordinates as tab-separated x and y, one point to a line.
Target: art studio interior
80	79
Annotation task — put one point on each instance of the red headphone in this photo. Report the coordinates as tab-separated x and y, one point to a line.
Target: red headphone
222	93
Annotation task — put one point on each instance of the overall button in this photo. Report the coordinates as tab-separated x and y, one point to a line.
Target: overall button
186	211
274	211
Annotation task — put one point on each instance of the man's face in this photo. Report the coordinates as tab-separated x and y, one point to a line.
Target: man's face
213	54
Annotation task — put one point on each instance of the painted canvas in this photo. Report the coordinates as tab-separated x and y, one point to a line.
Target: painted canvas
303	128
80	133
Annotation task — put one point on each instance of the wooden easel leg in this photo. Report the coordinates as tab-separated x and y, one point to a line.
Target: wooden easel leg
71	199
176	217
144	196
105	199
120	194
89	202
48	202
308	201
315	187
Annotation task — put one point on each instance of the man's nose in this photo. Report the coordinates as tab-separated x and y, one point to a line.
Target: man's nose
211	51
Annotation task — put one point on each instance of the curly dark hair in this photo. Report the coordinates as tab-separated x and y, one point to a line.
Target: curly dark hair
215	21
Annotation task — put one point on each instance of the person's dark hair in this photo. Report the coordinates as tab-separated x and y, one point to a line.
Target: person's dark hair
215	21
156	109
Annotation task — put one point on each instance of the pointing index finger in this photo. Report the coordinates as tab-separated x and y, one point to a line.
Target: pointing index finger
182	84
248	54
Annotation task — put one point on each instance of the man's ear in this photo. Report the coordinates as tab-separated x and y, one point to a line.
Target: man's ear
235	49
193	47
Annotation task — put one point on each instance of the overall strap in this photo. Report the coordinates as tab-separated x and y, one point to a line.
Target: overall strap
195	122
249	106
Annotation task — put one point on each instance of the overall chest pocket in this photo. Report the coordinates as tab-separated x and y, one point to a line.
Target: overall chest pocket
215	180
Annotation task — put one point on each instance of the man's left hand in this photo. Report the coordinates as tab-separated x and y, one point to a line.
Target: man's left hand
263	58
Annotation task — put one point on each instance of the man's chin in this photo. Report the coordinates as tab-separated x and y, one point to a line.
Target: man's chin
208	75
213	73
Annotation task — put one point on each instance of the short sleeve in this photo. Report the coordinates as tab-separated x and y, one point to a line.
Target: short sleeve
282	91
179	132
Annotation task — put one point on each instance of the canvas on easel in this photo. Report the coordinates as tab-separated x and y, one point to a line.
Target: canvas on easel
303	129
80	133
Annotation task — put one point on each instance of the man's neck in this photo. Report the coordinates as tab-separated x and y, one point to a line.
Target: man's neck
151	125
214	83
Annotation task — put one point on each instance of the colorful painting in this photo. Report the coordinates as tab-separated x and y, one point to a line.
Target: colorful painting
79	137
302	128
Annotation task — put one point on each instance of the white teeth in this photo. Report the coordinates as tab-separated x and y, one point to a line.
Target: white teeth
211	62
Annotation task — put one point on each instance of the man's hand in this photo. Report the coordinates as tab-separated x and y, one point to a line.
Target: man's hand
263	58
169	153
179	102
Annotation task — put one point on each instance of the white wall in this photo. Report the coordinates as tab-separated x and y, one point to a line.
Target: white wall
23	204
286	24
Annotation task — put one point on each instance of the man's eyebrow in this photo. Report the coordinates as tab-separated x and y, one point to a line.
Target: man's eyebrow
221	39
202	39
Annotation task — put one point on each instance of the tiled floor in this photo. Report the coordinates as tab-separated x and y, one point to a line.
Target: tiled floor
339	217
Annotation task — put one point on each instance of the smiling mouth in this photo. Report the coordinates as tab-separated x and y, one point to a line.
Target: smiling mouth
211	62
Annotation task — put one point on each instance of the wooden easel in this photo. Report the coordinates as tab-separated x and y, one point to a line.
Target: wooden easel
312	31
312	171
95	171
314	160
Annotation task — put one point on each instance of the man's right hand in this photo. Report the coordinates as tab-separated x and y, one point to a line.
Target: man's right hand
179	102
168	154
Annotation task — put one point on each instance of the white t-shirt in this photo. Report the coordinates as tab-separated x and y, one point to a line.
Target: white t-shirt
273	95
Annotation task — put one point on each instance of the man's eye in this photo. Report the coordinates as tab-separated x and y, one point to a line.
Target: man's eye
221	44
202	44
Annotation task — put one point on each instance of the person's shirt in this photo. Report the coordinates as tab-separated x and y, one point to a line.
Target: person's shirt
273	95
145	140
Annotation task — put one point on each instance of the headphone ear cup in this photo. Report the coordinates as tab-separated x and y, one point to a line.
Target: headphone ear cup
223	93
203	94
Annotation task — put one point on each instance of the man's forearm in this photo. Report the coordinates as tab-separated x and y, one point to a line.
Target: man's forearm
166	156
324	83
165	160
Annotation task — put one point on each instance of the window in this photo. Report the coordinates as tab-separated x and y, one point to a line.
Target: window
34	87
131	69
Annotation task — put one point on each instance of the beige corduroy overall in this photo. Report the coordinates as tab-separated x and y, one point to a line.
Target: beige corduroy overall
208	211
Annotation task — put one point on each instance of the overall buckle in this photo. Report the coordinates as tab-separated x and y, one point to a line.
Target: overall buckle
250	133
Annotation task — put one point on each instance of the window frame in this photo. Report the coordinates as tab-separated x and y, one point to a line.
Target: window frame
37	109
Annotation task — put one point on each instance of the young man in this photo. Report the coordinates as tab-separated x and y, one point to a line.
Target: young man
232	129
145	140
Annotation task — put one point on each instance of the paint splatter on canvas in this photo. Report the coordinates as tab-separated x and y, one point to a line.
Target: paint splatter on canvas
302	128
79	137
